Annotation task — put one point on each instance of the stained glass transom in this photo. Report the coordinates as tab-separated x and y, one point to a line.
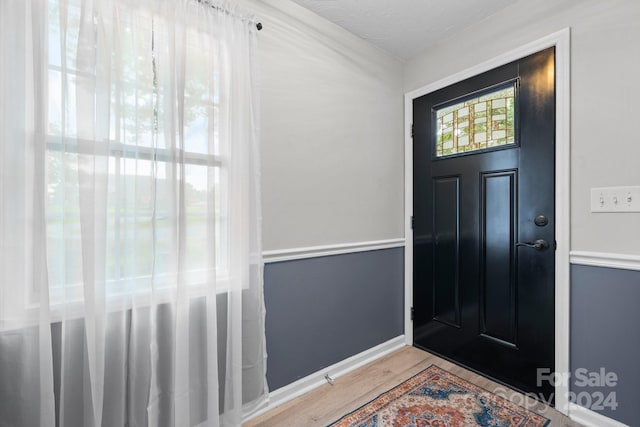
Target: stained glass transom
477	123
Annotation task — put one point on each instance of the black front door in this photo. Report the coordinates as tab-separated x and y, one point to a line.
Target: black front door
484	242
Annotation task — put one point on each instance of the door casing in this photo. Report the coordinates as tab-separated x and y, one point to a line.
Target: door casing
561	41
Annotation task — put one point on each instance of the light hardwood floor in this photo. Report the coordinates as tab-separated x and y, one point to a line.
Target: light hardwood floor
328	403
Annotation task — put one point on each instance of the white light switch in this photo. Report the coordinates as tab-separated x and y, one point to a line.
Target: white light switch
615	199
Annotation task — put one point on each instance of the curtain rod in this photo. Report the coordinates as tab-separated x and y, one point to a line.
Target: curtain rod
227	11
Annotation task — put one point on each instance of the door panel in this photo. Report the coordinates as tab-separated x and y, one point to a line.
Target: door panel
446	305
498	285
480	299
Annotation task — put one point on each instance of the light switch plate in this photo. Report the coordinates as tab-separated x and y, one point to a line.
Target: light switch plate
615	199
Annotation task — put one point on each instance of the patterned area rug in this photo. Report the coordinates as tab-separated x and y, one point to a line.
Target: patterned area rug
437	398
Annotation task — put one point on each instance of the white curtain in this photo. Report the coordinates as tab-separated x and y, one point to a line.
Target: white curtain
130	252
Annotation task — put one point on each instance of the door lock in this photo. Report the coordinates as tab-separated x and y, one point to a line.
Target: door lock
541	220
538	245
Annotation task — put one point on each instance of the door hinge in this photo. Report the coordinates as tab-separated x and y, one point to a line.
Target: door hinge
412	130
413	313
413	222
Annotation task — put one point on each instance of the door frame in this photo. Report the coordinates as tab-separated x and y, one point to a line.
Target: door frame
561	41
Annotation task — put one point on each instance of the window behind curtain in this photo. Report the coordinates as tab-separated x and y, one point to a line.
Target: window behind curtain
143	169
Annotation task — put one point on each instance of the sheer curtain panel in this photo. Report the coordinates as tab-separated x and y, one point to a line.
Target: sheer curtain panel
130	265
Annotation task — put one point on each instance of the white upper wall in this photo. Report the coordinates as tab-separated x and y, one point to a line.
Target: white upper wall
332	132
332	118
605	89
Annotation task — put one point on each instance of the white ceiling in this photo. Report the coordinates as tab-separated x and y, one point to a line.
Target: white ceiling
404	28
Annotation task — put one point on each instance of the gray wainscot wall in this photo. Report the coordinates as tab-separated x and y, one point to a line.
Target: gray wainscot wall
323	310
605	333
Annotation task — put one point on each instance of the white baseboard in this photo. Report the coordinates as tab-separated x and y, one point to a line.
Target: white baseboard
590	418
317	379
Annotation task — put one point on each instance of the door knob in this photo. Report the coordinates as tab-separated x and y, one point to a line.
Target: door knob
538	245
